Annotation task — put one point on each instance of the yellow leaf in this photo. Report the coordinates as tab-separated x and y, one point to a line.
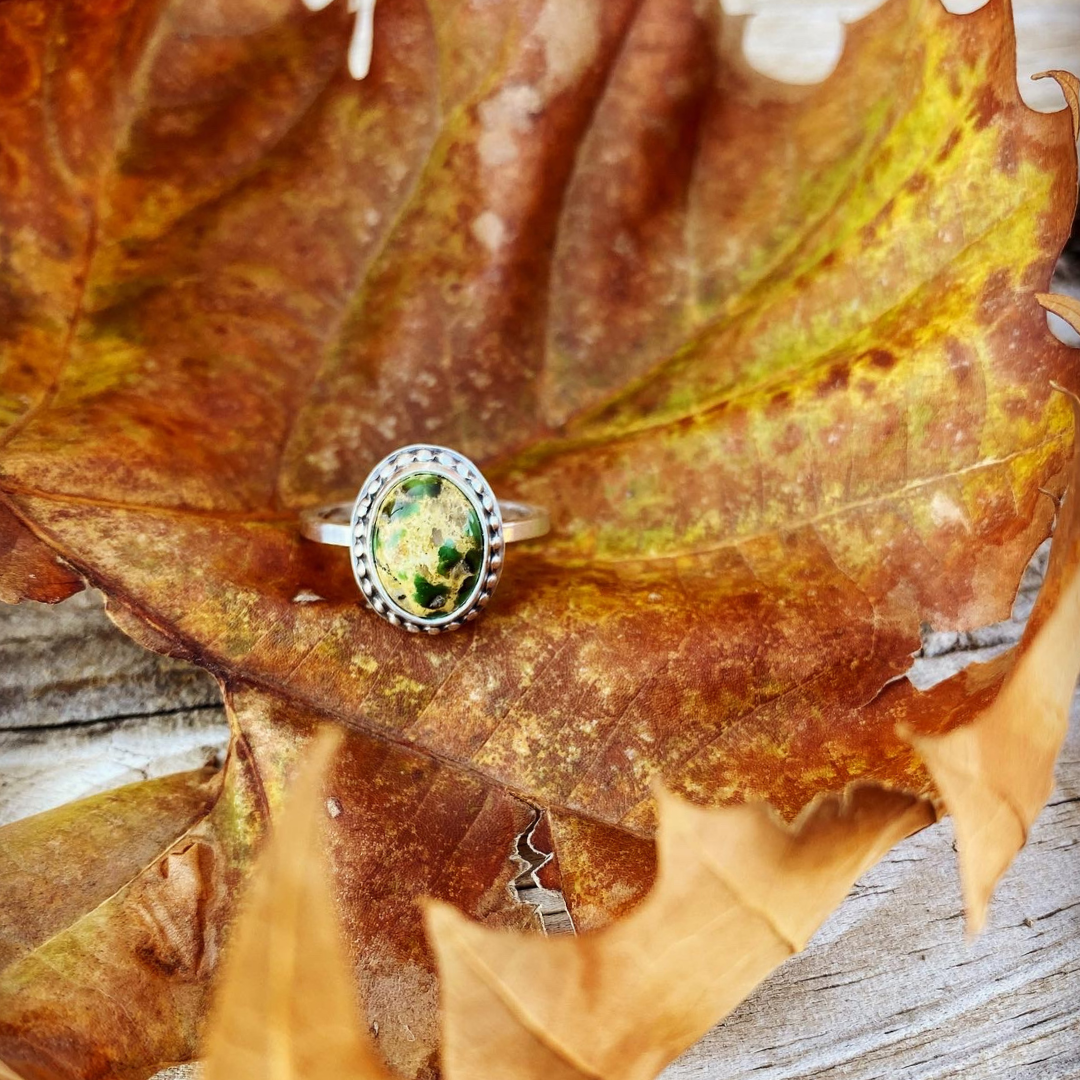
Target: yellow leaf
996	773
61	864
738	891
286	1006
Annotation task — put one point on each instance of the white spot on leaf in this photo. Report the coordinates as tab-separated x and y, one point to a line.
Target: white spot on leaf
944	511
503	117
570	32
489	229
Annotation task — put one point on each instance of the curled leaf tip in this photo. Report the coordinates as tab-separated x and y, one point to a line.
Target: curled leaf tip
1070	87
1064	307
1070	394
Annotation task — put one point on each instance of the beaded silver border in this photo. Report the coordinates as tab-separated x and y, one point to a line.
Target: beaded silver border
461	472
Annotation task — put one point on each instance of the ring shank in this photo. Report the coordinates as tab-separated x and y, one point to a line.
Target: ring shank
331	524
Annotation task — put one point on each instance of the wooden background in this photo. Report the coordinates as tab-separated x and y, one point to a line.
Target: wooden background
888	988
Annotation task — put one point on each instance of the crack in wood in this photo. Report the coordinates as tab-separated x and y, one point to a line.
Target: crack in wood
104	723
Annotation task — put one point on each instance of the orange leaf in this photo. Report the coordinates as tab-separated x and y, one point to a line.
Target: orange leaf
286	1000
996	773
769	354
737	892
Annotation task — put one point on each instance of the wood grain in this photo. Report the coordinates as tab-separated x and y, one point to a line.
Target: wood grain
83	708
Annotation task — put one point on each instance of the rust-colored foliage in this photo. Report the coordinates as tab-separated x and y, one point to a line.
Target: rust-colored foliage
772	356
737	892
286	1003
28	569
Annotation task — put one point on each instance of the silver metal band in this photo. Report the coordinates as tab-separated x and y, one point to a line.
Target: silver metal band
332	524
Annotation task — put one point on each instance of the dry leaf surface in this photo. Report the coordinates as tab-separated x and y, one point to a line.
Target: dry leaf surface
738	891
111	944
584	244
52	864
286	1001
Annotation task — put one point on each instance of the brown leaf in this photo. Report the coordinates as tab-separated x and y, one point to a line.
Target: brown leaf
582	243
29	570
57	865
735	412
114	979
996	773
286	1000
737	892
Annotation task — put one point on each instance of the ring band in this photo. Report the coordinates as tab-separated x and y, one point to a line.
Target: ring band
425	535
332	524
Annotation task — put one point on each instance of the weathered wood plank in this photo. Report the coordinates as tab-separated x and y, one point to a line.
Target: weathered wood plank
46	767
67	663
83	708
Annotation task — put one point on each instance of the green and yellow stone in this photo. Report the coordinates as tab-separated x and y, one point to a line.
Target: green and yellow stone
427	545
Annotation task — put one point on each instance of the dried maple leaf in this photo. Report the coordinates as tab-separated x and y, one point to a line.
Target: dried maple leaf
737	892
286	1001
996	773
585	245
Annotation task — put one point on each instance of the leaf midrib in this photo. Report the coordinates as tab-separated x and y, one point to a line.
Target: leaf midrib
289	517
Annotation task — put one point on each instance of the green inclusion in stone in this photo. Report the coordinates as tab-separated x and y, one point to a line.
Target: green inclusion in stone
427	545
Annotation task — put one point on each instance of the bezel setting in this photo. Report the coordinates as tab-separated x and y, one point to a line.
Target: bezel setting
467	478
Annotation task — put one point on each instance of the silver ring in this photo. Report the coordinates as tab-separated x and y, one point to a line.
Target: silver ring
425	535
